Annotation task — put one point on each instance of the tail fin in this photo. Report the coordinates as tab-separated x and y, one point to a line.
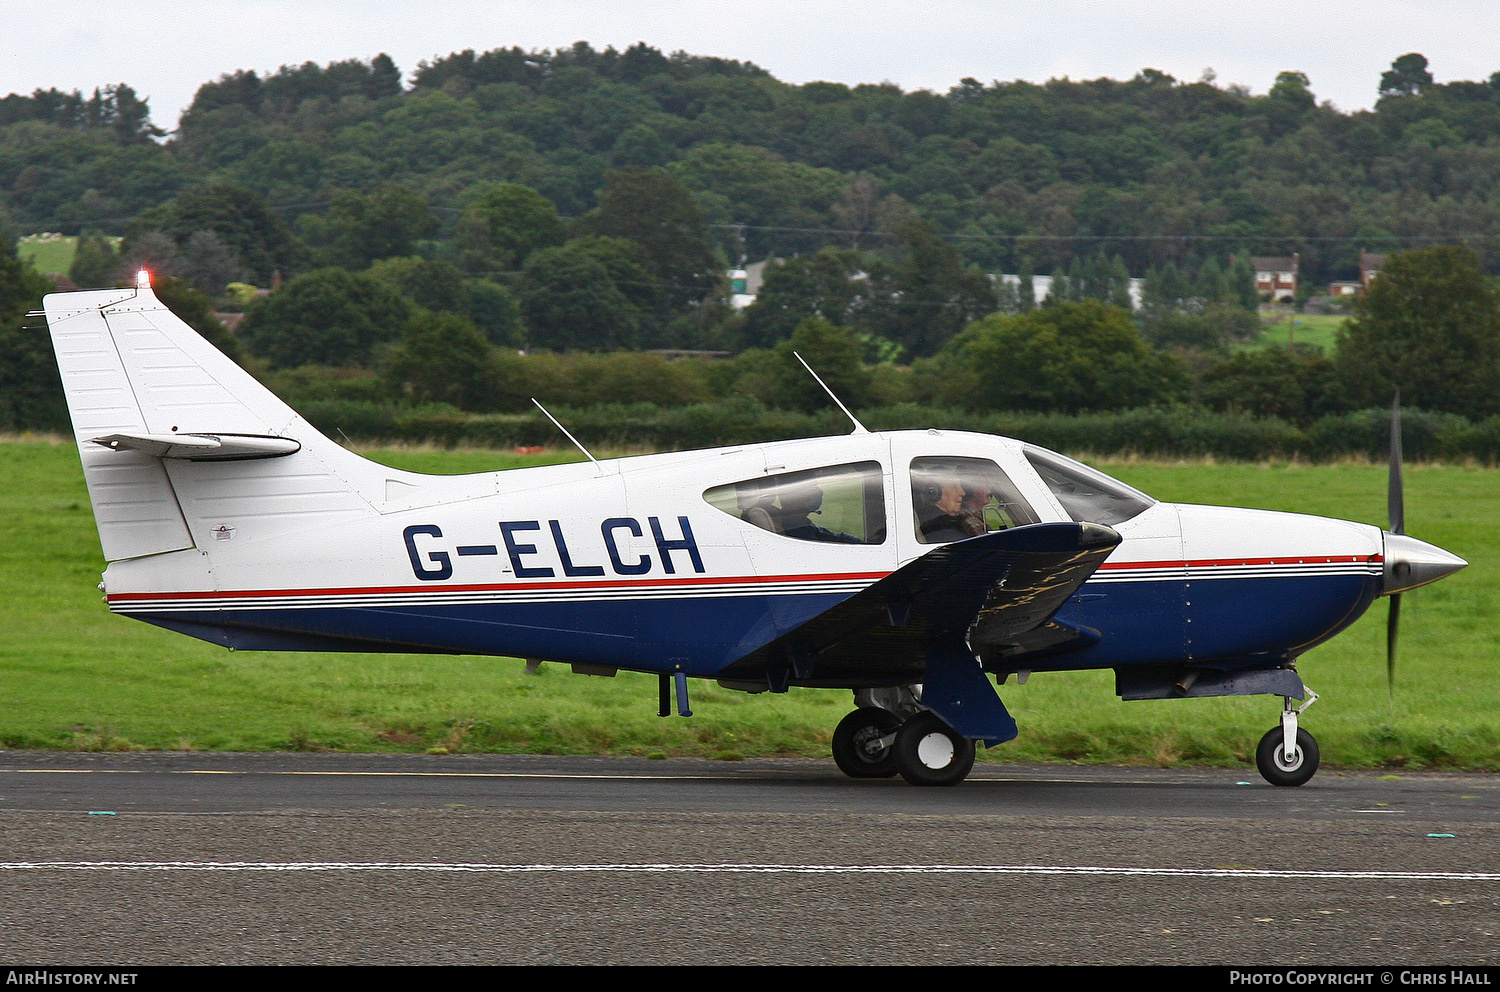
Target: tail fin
130	367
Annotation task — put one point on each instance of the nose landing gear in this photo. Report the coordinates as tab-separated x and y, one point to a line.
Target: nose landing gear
1288	755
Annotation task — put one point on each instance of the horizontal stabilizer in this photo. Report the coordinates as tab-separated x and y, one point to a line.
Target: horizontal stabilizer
201	447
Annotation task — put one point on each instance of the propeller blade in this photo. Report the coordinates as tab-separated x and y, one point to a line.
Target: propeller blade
1395	504
1393	620
1394	500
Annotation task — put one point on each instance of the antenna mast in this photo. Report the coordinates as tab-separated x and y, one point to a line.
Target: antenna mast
569	436
859	428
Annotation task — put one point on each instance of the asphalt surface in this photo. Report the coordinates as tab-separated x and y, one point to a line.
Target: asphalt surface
148	859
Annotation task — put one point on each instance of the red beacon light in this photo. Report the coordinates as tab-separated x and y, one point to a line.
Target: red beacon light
143	279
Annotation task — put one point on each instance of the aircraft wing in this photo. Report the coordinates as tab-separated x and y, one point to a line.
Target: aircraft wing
996	593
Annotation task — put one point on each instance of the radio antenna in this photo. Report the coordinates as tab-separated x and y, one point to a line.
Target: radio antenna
859	428
570	437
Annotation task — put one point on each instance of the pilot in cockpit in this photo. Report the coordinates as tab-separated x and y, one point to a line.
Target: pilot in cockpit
942	504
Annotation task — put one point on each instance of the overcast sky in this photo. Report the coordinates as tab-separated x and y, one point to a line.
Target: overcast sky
167	48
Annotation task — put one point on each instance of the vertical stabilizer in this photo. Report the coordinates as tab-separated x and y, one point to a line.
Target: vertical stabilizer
134	505
130	366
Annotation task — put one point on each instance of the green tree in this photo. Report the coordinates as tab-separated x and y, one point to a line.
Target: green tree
238	216
503	223
31	396
494	310
928	295
1271	382
1069	357
325	317
384	79
209	263
650	207
1407	76
431	285
834	353
96	263
586	295
442	358
1428	325
1240	283
1197	324
384	224
639	145
820	285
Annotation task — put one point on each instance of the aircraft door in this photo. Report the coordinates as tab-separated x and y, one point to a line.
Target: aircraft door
942	497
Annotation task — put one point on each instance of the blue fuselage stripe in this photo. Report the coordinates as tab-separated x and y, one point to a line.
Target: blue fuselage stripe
1140	622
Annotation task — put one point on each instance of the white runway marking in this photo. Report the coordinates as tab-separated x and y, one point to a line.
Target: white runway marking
713	869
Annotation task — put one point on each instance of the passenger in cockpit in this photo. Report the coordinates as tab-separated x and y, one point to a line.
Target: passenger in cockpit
794	520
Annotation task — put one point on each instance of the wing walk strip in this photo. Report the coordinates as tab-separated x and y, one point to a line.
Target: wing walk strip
705	588
737	869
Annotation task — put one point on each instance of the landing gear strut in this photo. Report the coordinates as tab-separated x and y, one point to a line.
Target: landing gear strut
1288	755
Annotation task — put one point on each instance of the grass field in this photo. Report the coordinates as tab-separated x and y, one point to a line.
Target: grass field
1302	328
74	676
50	255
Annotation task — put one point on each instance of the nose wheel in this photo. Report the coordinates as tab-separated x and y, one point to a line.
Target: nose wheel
1288	755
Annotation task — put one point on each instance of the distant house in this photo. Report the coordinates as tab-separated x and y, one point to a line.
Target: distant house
744	284
1369	267
1041	288
1276	276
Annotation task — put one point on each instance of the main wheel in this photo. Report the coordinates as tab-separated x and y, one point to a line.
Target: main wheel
857	747
1271	759
929	752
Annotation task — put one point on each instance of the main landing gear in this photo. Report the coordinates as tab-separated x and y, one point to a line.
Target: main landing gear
891	734
1288	755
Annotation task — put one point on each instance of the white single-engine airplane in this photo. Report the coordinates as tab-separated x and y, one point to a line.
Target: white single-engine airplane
939	559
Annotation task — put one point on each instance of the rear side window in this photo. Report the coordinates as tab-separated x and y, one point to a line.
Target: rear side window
838	504
1087	494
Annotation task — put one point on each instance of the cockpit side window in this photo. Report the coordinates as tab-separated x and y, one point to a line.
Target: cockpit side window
848	500
1087	494
954	498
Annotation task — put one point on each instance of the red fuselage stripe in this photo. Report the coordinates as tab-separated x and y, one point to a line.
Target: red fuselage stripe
1232	562
701	580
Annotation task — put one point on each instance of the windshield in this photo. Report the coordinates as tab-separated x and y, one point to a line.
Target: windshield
1087	494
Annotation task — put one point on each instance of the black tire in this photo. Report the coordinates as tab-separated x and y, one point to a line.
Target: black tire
1273	766
856	743
929	752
